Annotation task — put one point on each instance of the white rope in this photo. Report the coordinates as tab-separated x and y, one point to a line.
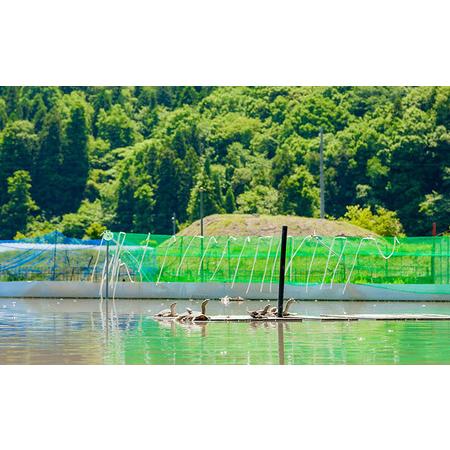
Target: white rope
147	240
267	263
96	261
204	253
339	260
354	261
328	259
239	260
254	261
273	265
222	256
310	265
296	251
184	255
165	256
396	241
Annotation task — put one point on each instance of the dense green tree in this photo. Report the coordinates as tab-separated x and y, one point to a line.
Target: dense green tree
299	194
259	200
230	201
18	148
144	213
382	222
138	149
116	127
74	162
166	195
15	214
47	180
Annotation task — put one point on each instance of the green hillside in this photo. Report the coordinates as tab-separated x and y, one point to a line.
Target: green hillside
79	159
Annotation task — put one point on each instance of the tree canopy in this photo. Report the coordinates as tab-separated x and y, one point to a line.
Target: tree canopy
84	158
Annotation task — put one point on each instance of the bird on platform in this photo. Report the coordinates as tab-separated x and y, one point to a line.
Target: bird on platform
197	316
168	312
184	316
259	313
286	312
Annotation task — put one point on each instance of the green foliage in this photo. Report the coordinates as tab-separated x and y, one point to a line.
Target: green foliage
77	224
95	230
382	222
74	161
16	213
18	148
144	153
260	200
230	201
299	194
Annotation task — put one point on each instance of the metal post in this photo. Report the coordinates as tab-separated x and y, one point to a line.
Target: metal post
54	256
174	225
282	270
107	281
322	182
201	211
433	251
201	229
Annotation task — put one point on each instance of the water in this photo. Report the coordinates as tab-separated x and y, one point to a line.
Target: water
73	332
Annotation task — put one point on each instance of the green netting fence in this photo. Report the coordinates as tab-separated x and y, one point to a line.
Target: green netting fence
309	259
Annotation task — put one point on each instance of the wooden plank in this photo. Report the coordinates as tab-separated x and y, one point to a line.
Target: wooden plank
325	318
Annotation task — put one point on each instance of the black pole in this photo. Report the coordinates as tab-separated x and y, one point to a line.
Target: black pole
107	281
282	270
201	229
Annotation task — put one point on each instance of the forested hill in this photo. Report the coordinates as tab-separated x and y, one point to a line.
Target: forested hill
127	158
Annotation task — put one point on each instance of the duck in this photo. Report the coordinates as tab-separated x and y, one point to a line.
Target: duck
286	312
259	313
168	312
198	316
184	316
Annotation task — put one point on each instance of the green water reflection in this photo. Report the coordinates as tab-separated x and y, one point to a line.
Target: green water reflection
75	332
296	343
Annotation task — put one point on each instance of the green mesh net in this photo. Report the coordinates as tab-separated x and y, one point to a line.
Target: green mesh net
310	260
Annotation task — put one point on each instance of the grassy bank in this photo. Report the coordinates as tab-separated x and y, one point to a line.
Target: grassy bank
264	225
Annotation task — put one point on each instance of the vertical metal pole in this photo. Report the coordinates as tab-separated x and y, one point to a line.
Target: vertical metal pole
107	281
201	229
174	225
322	182
282	270
229	268
433	251
54	256
201	211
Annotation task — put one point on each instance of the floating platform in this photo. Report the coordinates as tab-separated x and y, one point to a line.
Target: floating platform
321	318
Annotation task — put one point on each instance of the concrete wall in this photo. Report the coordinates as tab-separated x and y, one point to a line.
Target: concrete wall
80	289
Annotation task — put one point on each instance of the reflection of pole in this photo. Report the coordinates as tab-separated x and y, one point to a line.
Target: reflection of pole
282	270
280	343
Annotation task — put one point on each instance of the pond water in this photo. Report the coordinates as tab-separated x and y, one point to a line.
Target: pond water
43	331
